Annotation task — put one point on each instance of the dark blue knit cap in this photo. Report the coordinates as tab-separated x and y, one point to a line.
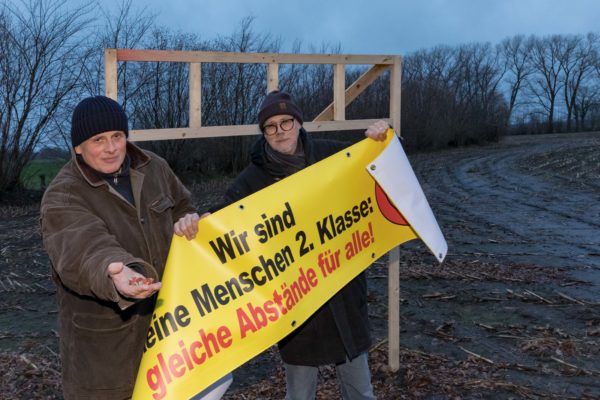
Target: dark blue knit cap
95	115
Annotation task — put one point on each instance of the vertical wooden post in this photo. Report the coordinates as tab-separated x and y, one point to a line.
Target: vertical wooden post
272	77
394	254
394	309
110	73
339	92
395	94
195	95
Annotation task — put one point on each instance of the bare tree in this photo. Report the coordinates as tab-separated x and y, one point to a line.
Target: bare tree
450	96
426	101
516	52
231	93
43	53
127	28
477	113
161	98
546	83
588	101
577	62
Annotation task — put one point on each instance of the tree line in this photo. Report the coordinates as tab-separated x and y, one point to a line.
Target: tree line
52	56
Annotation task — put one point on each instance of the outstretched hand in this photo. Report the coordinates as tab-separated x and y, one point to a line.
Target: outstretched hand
130	283
377	131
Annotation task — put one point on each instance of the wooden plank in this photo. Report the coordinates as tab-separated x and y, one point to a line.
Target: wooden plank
195	95
272	77
395	94
250	58
339	87
192	133
394	255
394	309
110	73
348	125
354	90
240	130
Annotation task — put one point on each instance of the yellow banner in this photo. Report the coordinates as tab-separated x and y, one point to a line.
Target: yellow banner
262	266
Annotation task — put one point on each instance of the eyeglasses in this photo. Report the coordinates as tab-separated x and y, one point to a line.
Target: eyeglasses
285	125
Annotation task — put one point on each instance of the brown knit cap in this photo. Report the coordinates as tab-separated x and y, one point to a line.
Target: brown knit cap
278	103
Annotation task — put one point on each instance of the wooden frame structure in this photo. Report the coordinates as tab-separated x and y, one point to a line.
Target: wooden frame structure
332	118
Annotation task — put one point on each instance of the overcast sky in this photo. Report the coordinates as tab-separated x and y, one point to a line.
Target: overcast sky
380	26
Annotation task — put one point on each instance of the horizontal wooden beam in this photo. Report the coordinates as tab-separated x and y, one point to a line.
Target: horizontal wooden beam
240	130
354	124
250	58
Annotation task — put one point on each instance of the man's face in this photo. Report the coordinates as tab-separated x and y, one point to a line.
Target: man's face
281	132
104	152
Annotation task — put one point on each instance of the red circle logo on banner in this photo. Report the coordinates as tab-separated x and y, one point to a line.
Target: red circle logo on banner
389	211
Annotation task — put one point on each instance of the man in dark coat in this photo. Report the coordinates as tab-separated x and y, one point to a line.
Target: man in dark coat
338	333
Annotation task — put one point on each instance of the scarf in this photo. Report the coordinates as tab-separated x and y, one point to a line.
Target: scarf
280	165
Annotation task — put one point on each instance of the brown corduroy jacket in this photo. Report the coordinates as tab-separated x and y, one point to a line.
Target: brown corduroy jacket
86	225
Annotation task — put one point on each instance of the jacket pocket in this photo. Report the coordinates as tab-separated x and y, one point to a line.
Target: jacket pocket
103	352
161	204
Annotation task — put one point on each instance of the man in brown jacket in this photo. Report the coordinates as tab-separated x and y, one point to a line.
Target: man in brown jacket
107	222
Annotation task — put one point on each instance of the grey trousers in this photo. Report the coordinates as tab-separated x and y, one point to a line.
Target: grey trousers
353	376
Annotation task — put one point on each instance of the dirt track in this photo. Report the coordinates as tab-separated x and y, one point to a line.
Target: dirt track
513	312
520	288
530	199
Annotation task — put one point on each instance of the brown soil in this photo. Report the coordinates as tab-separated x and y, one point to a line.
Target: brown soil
513	312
